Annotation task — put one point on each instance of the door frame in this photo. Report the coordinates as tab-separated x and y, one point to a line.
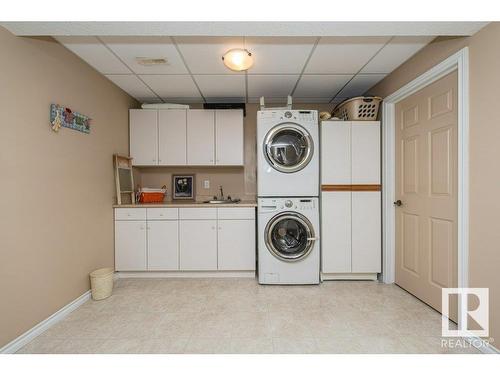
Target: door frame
460	62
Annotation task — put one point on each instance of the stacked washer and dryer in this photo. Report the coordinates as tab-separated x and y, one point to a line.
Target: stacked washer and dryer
288	189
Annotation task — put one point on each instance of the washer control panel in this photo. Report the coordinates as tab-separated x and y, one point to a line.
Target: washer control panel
285	204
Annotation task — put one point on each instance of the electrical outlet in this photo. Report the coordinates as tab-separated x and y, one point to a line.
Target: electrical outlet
206	184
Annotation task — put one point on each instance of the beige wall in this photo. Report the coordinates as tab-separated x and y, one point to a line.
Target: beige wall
484	148
237	182
57	188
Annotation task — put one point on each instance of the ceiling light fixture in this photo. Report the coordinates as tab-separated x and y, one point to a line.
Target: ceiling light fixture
238	59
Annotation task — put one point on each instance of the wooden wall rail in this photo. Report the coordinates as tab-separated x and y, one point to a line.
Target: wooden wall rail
351	187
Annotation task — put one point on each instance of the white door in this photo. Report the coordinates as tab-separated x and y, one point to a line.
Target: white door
172	137
336	153
366	232
198	245
144	136
426	188
130	245
336	231
236	245
365	152
200	137
229	137
163	245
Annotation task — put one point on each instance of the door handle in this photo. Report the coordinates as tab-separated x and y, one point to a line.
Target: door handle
398	203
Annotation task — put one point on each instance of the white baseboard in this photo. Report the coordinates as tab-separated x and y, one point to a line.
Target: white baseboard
348	276
486	348
184	274
44	325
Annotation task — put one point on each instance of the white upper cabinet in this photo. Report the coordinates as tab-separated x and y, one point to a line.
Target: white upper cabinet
144	136
172	137
229	137
336	153
186	137
200	137
365	144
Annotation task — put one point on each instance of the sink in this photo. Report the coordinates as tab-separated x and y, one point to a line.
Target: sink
221	201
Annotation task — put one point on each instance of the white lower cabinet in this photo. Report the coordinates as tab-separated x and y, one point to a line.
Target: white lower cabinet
185	239
163	245
366	229
130	246
351	232
198	245
336	231
236	245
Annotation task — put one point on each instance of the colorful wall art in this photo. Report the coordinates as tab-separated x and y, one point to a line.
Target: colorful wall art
63	116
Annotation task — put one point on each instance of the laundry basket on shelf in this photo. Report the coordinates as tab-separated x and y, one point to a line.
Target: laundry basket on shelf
360	108
101	283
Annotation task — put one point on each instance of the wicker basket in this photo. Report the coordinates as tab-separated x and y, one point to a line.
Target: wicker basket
101	283
358	109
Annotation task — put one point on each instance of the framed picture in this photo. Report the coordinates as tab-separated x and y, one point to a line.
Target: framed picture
183	187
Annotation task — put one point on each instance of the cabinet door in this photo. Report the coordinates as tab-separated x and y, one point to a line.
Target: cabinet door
130	245
229	137
366	231
336	153
144	136
236	245
163	245
336	232
365	145
198	245
200	137
172	137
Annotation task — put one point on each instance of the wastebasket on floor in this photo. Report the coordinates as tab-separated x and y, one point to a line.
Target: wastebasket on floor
101	283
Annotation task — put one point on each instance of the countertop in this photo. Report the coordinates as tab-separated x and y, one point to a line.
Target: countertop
187	204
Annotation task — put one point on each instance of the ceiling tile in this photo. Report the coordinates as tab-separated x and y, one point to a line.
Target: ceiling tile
360	84
270	100
133	86
343	55
130	48
320	86
91	50
271	85
273	55
396	52
203	55
215	86
311	100
172	86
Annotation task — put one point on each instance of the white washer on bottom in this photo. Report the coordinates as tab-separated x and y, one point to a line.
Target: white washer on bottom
289	248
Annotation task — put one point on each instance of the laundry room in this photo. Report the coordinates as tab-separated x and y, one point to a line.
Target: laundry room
240	189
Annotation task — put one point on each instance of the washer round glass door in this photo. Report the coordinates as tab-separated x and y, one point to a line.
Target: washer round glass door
289	236
288	147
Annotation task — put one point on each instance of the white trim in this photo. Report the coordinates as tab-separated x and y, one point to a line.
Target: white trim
486	348
348	276
41	327
460	62
184	274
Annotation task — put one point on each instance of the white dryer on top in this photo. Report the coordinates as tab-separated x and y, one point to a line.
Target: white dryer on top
288	154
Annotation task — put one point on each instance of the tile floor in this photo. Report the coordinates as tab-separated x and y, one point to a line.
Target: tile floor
240	316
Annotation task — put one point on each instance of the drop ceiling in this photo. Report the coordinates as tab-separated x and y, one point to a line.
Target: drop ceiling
311	69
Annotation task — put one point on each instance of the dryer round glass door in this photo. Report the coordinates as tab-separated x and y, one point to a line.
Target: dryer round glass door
289	236
288	147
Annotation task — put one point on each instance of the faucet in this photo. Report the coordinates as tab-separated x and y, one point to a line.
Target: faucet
221	193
